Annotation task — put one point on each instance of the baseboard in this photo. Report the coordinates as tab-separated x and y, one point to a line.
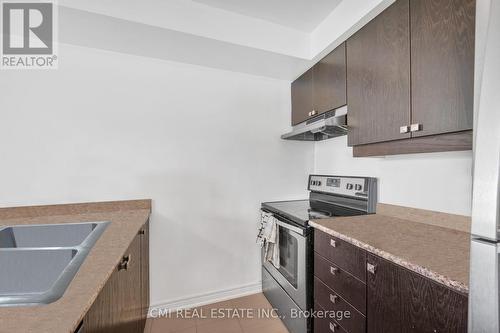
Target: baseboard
203	299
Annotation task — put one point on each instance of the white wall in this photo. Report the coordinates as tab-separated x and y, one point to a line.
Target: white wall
436	181
347	18
202	143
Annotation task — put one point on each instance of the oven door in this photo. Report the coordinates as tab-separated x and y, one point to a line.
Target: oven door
292	274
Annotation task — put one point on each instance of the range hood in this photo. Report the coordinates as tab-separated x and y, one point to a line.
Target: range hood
327	125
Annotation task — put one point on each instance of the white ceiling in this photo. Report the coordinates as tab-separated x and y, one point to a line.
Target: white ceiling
197	32
304	15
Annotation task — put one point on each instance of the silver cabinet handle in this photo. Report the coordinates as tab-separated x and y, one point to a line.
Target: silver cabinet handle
334	270
404	129
371	268
415	127
333	327
333	243
333	298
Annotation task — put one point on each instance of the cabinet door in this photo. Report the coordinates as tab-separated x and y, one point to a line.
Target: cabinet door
129	289
104	315
378	77
383	296
430	307
302	103
118	307
145	273
329	81
442	65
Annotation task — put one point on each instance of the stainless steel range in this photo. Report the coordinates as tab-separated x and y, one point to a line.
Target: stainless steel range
289	287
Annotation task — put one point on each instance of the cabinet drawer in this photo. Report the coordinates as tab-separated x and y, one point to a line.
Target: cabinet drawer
326	325
346	285
346	256
353	321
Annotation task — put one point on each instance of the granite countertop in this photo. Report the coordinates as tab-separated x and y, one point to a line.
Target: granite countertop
433	244
64	315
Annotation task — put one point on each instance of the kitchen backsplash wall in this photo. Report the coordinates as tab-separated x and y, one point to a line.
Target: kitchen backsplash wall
204	144
437	181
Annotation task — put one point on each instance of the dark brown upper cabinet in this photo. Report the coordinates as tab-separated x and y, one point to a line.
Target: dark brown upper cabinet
442	65
378	77
302	98
322	88
329	81
410	74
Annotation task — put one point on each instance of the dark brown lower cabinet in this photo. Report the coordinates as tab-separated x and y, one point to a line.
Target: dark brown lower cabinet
121	306
353	322
383	296
396	299
399	300
325	325
430	307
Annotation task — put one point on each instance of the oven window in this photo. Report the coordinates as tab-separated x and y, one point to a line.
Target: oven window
288	256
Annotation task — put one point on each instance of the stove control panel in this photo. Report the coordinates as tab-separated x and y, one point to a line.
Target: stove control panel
347	186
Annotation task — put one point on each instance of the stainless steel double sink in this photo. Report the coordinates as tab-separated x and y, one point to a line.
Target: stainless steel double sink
38	262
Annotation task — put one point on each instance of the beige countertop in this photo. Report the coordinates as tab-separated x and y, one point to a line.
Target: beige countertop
64	315
433	244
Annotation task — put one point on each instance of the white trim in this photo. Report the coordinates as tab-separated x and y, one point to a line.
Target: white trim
208	298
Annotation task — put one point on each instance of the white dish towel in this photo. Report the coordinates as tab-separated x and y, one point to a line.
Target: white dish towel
268	238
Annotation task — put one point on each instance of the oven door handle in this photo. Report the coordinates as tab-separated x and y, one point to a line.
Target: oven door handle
289	227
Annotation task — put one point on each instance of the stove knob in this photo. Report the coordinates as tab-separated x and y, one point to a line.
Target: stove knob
318	183
349	186
358	187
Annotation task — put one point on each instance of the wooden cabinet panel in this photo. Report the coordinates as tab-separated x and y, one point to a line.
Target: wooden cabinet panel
322	88
331	301
329	81
383	297
378	77
302	102
442	65
120	306
129	285
346	256
104	315
345	284
144	273
326	325
430	307
458	141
